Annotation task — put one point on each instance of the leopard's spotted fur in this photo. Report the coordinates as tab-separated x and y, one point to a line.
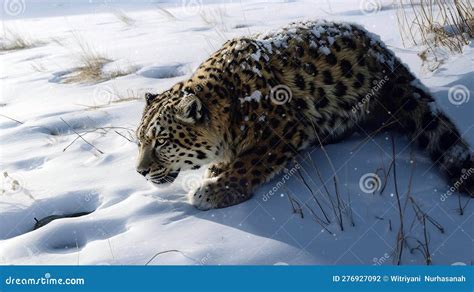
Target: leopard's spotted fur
259	100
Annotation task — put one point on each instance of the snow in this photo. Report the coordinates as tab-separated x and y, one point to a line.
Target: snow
256	56
255	96
48	170
325	50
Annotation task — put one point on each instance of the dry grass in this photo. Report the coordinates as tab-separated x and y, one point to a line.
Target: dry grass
441	25
129	95
217	18
119	72
124	18
91	65
166	13
58	40
13	40
89	71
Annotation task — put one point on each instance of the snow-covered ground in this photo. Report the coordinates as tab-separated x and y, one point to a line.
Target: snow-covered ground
49	170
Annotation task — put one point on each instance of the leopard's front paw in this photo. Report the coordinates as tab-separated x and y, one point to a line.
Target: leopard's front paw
201	197
204	197
214	170
213	194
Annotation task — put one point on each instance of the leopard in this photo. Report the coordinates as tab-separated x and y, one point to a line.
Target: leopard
249	109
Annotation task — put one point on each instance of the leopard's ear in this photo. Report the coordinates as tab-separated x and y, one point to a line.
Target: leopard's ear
150	97
189	109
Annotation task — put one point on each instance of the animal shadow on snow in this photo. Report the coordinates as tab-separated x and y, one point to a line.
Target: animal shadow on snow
369	220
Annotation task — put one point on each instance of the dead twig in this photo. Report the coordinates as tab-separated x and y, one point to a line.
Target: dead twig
327	221
105	131
295	205
7	117
339	220
338	198
421	215
336	184
168	251
318	220
80	136
400	235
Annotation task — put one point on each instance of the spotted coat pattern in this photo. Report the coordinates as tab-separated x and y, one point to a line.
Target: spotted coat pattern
259	100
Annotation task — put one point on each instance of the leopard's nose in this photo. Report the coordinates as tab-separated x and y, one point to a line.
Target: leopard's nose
143	172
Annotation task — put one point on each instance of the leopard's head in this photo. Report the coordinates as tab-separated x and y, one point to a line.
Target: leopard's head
174	135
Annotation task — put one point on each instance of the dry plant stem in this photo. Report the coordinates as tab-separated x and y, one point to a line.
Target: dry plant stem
423	247
421	214
410	180
91	63
327	221
385	176
106	130
435	24
318	220
339	219
110	248
338	197
461	207
336	184
461	210
120	134
168	251
400	236
12	119
427	249
16	40
295	205
166	13
403	23
321	179
80	136
123	17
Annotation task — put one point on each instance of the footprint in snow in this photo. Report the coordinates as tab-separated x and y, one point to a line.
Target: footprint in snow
163	72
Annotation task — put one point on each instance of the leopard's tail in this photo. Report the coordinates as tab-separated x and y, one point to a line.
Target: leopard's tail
415	112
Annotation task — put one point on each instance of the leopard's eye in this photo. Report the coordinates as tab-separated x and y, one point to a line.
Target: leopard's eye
161	140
